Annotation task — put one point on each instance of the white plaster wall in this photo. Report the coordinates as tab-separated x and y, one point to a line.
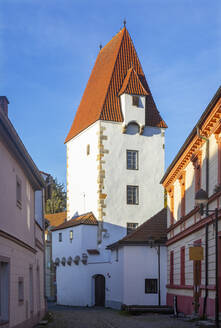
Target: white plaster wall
190	188
82	172
147	177
130	112
213	164
140	263
177	200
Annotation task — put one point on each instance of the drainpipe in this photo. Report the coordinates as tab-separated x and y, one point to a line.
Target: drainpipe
206	226
159	294
43	233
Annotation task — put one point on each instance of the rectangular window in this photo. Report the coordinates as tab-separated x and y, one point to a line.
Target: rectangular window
18	192
132	159
31	304
197	269
4	290
135	101
131	227
132	195
150	286
171	267
117	255
71	235
21	289
182	265
60	236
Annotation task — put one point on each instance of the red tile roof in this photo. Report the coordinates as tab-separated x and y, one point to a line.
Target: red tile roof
132	84
56	219
100	99
154	228
87	218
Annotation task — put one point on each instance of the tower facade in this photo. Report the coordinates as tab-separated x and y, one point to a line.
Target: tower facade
115	160
115	147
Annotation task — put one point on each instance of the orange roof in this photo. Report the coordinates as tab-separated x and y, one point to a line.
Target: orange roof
132	84
100	99
56	218
87	218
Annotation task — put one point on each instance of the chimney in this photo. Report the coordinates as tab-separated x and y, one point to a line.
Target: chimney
4	104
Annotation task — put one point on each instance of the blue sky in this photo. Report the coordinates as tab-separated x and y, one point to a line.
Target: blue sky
48	49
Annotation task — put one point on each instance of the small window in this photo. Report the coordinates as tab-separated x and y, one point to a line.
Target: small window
135	101
150	286
21	289
131	227
71	235
60	236
18	192
4	290
132	195
117	255
88	150
132	159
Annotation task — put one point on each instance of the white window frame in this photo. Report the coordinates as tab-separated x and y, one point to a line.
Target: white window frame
131	226
132	195
132	159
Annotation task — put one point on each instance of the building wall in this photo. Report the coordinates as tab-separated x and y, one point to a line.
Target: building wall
140	263
117	177
179	236
82	173
22	218
21	242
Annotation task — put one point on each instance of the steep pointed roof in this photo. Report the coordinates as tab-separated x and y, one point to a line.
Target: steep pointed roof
100	99
132	84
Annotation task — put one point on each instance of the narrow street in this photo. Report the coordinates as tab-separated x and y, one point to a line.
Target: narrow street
70	317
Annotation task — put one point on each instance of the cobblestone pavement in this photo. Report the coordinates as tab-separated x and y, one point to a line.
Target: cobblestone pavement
69	317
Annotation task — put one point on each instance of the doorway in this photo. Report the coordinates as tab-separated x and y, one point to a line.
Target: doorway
99	280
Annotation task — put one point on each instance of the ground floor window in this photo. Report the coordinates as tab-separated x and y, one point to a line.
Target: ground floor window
4	290
150	286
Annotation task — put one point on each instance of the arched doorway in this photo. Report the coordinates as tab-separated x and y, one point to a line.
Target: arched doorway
99	280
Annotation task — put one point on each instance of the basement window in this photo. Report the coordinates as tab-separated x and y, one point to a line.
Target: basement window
150	286
135	101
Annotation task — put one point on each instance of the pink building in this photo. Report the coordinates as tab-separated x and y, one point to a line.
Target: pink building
22	301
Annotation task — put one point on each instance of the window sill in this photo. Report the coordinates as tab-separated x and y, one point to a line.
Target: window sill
179	286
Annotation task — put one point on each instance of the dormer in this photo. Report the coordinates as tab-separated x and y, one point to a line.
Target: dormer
133	99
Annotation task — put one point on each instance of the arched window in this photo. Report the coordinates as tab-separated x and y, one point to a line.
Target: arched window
133	128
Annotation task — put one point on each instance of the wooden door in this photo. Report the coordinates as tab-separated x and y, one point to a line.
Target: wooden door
99	290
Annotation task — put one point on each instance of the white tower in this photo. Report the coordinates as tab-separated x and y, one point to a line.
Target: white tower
115	147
